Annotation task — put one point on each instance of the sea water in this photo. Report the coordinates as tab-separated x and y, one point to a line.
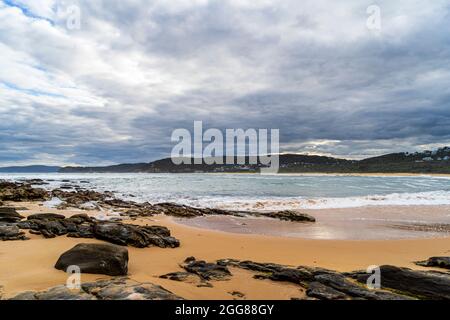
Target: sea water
260	192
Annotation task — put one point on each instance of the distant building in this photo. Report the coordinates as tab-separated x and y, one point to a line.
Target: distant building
427	159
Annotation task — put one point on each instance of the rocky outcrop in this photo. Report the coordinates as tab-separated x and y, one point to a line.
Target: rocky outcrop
11	233
9	215
82	226
55	293
12	191
205	270
183	211
275	272
320	283
288	215
46	216
93	258
93	200
322	292
133	235
438	262
114	289
421	284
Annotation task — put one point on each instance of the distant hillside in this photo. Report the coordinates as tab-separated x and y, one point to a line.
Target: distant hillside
29	169
437	161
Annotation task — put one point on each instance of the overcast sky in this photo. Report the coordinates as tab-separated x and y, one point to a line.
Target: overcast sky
113	90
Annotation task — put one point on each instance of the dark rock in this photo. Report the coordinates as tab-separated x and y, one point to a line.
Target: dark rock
133	235
36	182
114	289
9	215
126	289
82	217
428	285
82	226
237	294
291	275
177	276
439	262
46	216
289	215
82	231
96	258
323	292
56	293
77	199
207	271
11	233
10	191
273	271
326	283
50	228
172	209
340	283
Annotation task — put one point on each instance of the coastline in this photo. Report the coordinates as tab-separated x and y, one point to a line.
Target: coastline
337	174
28	265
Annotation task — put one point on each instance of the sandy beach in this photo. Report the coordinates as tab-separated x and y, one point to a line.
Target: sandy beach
29	265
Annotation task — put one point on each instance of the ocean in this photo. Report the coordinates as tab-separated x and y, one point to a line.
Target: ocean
258	192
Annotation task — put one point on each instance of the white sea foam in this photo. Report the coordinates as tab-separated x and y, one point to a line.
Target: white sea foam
255	192
395	199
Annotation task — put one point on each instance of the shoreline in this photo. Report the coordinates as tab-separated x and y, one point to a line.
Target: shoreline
28	265
350	174
360	223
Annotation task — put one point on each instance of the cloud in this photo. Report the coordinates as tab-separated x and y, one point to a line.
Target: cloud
114	90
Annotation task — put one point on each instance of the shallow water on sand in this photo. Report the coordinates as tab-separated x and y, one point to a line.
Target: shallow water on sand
366	223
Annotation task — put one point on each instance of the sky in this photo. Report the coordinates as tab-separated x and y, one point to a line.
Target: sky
105	82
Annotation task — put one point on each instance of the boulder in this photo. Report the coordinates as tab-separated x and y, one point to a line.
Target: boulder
421	284
10	191
46	216
51	225
289	215
56	293
439	262
50	228
113	289
126	289
323	292
9	215
205	270
96	258
11	233
133	235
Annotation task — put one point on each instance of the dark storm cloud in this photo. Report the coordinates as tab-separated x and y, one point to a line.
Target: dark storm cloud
115	90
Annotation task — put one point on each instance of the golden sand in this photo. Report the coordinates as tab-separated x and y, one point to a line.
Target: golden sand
28	265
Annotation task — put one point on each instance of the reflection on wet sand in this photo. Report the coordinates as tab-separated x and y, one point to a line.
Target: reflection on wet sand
364	223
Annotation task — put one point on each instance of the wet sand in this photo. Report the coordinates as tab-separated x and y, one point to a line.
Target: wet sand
364	223
28	265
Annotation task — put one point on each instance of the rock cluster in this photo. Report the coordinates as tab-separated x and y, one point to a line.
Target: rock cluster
83	226
324	284
14	191
439	262
73	196
11	232
120	288
51	225
420	284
